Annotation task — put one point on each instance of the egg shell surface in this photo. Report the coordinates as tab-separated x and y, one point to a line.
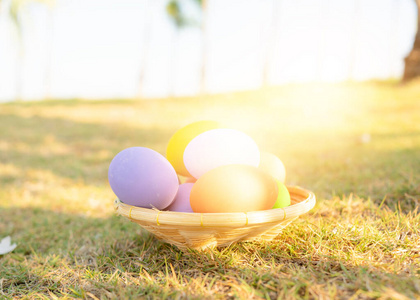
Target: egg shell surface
219	147
180	140
181	202
233	188
272	165
283	197
142	177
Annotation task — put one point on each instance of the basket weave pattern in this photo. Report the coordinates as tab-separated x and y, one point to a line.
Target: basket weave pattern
204	230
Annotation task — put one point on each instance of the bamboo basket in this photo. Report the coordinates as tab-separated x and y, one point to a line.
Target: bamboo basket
203	230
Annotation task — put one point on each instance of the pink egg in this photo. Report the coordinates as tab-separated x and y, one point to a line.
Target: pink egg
181	202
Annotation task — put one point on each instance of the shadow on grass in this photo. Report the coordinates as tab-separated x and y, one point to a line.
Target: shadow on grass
53	246
73	255
71	149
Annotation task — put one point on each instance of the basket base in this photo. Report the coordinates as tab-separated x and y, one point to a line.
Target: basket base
223	237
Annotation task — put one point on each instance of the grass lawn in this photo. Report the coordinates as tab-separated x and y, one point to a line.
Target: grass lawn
357	146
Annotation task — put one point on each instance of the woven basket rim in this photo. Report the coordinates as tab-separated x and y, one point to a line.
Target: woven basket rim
305	201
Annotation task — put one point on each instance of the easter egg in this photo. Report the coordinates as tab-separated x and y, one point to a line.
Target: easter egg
272	165
233	188
181	202
180	140
219	147
190	180
283	196
142	177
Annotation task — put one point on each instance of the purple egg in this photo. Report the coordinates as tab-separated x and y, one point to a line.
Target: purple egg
181	202
142	177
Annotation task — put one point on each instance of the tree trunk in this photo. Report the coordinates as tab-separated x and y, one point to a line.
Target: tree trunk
270	45
19	66
173	62
147	28
203	47
354	39
19	74
412	61
393	40
323	19
19	59
49	45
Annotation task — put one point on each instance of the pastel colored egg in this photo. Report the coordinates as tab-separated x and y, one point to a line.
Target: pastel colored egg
142	177
283	197
219	147
181	202
180	140
272	165
233	188
190	180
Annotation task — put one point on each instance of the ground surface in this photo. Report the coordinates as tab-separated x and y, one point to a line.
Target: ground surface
356	146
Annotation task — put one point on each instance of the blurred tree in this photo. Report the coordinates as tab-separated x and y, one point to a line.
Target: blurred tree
147	29
180	19
354	38
173	9
203	25
393	36
49	51
324	23
270	47
16	10
412	61
16	15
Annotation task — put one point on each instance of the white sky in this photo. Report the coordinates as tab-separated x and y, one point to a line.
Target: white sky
97	45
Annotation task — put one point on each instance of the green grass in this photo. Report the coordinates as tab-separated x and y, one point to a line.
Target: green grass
361	241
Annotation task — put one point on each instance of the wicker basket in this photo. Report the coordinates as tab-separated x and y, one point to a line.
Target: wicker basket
203	230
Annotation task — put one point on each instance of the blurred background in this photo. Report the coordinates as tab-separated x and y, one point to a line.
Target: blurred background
159	48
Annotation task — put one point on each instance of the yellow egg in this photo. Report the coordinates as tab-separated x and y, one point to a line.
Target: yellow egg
233	188
180	140
272	165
